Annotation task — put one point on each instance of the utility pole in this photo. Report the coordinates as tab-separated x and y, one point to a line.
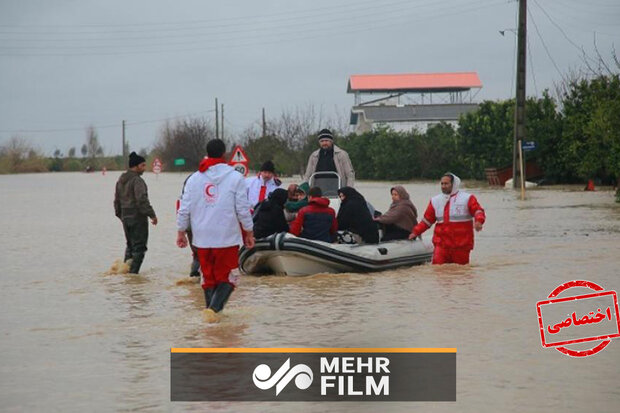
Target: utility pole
217	120
222	114
124	154
264	124
519	131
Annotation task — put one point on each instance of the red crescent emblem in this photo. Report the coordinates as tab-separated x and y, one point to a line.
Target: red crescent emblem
208	190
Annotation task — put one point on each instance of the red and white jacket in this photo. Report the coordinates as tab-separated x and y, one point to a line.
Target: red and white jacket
256	185
214	203
454	216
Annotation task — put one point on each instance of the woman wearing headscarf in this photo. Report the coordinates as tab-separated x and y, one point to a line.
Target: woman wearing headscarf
354	215
400	218
269	215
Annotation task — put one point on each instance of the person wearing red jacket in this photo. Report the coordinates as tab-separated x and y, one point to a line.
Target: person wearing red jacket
317	221
456	215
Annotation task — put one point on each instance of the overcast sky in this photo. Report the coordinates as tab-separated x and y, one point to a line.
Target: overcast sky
67	64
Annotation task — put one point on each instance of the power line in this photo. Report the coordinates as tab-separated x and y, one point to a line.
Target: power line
280	38
197	37
170	118
514	52
116	125
305	12
215	31
563	32
545	45
580	18
529	49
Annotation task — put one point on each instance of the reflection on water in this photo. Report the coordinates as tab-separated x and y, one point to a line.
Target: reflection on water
77	338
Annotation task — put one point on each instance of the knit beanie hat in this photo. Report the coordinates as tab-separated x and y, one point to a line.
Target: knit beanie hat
268	167
135	159
326	134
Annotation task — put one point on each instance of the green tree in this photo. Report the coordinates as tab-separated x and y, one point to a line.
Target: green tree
438	152
486	137
591	128
274	149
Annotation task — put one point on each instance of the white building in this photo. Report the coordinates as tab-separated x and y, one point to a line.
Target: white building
450	91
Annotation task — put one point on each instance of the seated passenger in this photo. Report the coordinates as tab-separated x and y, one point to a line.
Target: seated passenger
292	192
293	206
269	215
354	215
400	219
317	221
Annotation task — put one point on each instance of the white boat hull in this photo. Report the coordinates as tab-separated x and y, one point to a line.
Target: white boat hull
285	254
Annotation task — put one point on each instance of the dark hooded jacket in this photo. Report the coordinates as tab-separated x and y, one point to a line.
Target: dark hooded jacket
354	216
269	214
131	197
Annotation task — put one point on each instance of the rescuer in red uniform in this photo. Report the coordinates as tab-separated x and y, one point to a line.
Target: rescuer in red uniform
456	215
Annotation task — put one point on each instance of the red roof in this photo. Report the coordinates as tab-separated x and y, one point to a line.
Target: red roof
414	82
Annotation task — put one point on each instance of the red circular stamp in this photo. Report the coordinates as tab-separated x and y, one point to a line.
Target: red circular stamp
591	318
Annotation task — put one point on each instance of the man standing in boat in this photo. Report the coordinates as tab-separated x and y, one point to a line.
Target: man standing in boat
456	214
214	204
330	158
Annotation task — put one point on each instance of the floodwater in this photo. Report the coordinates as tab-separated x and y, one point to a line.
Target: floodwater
76	339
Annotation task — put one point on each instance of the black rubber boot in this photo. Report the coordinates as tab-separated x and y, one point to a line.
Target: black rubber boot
128	254
208	296
136	263
195	270
220	296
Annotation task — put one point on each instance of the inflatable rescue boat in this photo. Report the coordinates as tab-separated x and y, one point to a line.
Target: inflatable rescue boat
286	254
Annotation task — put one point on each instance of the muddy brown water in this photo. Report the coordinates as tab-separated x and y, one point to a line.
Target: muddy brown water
76	339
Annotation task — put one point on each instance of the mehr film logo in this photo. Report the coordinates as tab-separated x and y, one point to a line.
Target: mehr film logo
330	379
313	374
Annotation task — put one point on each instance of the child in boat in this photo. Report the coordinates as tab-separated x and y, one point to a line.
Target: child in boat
293	206
317	221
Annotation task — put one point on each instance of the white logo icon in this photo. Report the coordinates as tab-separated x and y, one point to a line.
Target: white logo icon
301	373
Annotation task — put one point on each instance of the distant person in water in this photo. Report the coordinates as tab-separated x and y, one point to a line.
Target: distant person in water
132	207
195	267
455	214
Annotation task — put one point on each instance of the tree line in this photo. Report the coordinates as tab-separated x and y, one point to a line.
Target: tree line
577	136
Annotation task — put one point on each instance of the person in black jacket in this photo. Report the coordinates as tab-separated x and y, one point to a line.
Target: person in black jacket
354	215
269	214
